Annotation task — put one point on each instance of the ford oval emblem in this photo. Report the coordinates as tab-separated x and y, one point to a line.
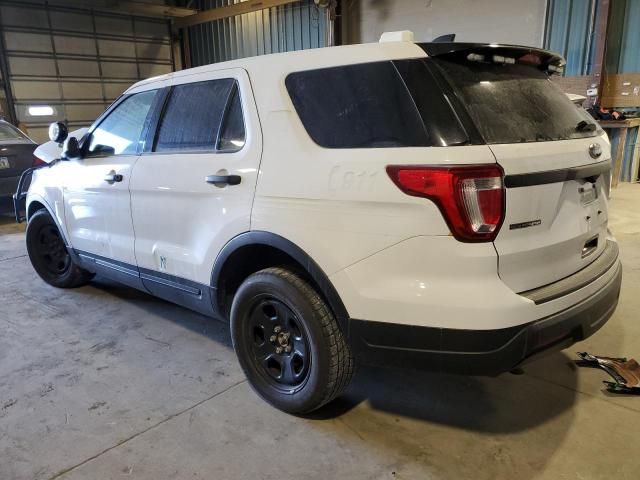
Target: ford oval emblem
595	150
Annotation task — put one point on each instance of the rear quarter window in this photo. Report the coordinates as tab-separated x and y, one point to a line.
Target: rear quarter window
373	105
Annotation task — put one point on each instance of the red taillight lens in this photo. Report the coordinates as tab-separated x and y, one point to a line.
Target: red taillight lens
38	162
471	198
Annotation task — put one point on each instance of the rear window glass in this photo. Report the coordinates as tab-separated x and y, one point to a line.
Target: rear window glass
232	132
371	106
8	132
192	116
516	103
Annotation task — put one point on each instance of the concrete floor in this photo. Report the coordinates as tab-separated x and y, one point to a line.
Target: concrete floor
105	382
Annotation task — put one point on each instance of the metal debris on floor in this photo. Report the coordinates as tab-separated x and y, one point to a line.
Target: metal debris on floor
626	373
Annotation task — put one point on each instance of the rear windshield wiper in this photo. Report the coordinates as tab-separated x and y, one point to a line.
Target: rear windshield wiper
584	126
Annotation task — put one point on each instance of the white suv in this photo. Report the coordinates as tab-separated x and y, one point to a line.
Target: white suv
439	206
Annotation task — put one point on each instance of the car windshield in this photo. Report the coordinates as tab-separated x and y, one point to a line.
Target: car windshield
516	103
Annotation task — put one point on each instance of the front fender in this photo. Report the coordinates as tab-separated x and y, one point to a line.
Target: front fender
53	202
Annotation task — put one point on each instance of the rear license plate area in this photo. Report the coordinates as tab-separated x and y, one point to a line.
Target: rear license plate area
588	193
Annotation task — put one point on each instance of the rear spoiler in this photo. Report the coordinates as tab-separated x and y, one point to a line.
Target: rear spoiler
497	53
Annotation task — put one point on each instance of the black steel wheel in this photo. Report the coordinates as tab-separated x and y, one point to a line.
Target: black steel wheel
288	342
52	250
49	255
279	344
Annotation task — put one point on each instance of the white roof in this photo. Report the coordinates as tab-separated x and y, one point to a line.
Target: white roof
281	64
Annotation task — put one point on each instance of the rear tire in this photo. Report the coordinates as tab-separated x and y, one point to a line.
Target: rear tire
288	342
49	255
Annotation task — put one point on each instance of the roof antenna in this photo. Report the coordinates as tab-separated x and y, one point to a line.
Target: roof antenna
450	37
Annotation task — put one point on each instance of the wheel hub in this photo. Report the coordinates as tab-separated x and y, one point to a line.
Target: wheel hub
280	347
281	341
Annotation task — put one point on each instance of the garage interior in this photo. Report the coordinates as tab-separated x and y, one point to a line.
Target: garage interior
107	382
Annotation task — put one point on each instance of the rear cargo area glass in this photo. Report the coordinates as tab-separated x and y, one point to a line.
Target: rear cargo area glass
515	103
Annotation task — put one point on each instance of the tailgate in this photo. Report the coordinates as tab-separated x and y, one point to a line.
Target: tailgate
554	156
556	210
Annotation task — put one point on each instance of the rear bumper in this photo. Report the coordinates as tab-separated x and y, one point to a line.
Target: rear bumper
8	186
483	352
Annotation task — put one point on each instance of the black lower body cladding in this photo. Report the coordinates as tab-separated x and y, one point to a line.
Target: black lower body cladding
482	352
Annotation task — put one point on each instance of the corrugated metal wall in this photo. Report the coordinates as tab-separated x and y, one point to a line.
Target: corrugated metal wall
631	152
76	61
569	31
280	29
623	37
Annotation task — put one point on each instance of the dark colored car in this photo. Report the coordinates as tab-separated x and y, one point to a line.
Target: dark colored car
16	155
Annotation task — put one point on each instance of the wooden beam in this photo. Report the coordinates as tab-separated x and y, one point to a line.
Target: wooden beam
229	11
176	49
600	32
128	7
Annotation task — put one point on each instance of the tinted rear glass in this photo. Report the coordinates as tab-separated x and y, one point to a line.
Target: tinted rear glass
516	103
371	106
232	132
192	116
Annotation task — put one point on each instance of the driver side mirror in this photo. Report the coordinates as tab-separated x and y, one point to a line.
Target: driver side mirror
71	149
58	132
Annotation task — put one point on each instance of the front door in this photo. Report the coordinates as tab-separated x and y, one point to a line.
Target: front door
192	189
96	187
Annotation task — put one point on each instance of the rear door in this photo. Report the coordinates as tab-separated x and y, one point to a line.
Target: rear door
192	189
555	159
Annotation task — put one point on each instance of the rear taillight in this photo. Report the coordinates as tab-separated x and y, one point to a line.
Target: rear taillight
471	198
38	162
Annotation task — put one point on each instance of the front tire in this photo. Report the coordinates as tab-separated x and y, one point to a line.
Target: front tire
49	255
288	342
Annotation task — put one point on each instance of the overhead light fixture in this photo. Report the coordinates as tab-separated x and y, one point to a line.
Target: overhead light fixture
41	111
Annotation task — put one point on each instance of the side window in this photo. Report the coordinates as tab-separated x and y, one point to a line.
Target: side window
120	132
193	115
232	132
435	109
357	106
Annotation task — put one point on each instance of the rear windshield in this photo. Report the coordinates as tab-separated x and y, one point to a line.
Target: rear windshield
8	132
374	105
516	103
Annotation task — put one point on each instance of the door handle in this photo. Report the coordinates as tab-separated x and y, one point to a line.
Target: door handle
112	177
224	179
